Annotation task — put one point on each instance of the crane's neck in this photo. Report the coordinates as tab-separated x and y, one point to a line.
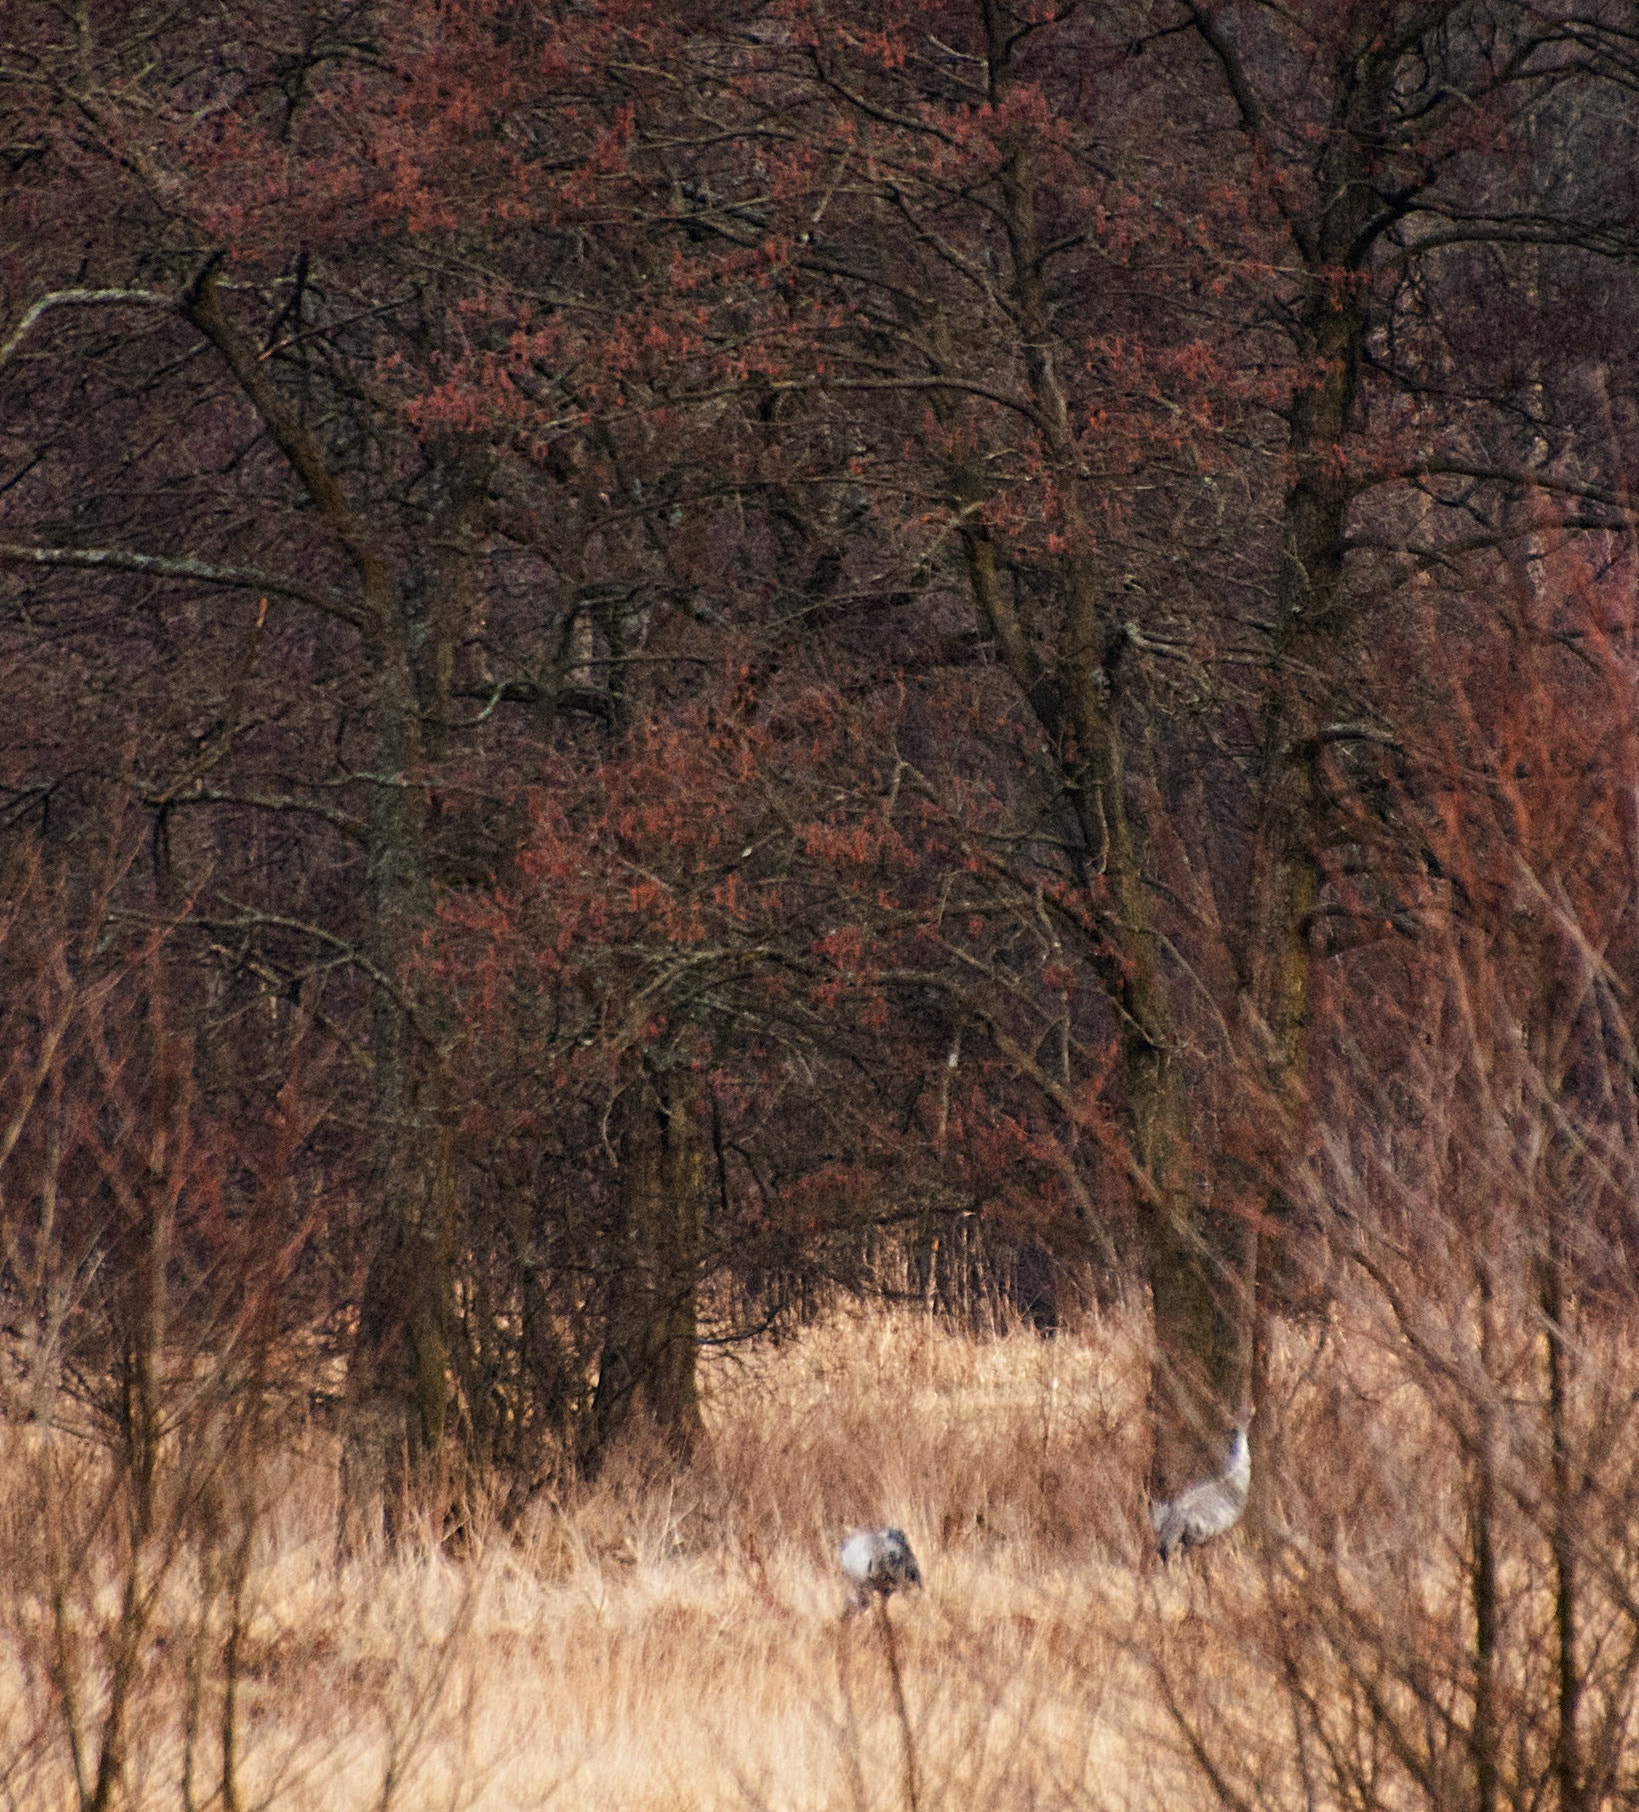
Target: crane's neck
1238	1474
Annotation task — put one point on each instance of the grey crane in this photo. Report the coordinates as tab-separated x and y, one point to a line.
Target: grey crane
878	1563
1210	1507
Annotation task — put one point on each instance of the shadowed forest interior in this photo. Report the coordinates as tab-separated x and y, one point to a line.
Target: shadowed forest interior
770	767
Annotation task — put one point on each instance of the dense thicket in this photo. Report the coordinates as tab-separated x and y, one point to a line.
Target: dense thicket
657	657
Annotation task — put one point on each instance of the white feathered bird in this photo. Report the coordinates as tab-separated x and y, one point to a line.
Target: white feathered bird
878	1563
1209	1508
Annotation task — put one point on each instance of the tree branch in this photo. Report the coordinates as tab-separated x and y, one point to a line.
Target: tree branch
249	918
1522	476
1251	117
60	298
201	305
350	827
237	578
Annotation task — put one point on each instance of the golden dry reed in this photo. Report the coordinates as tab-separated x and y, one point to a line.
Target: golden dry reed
654	1641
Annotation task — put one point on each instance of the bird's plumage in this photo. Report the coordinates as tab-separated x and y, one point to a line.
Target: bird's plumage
878	1563
1209	1508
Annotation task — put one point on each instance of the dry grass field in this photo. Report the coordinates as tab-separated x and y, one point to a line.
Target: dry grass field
677	1644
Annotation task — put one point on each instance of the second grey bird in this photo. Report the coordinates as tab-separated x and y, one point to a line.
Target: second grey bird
1209	1508
878	1563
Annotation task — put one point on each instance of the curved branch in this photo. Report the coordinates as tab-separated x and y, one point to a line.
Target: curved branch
60	298
237	578
350	827
1521	476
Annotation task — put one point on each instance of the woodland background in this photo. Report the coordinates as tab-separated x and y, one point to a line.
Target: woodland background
668	666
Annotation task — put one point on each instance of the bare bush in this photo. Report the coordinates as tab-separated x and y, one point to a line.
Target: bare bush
1442	1608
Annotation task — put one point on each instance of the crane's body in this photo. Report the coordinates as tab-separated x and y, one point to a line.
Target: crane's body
878	1563
1209	1508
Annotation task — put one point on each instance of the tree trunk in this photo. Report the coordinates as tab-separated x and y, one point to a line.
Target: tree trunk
1191	1259
1285	879
651	1337
398	1371
1313	607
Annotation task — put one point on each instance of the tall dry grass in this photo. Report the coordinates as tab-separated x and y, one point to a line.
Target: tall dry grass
654	1641
665	1642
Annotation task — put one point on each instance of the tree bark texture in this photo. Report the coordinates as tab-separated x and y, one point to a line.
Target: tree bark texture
651	1337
